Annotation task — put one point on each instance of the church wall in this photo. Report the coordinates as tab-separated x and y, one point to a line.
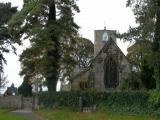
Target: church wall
99	75
84	76
123	67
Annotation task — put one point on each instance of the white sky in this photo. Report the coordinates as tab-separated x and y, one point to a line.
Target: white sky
92	17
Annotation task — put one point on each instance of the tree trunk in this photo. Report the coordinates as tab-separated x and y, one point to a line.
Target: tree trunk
53	54
156	42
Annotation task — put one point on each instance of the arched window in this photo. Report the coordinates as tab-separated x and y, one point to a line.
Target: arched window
110	74
84	85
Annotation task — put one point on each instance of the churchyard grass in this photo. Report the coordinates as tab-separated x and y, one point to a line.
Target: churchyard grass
5	114
64	114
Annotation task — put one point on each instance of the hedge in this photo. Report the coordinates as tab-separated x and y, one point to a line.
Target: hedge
122	102
68	99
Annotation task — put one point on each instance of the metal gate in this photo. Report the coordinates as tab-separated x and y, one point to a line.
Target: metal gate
27	102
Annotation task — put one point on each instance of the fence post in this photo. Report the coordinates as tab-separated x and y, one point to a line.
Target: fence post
80	103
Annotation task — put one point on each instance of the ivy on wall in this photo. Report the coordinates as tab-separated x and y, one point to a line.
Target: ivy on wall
121	102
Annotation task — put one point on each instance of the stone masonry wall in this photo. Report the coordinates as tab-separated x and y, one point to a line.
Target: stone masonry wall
11	102
123	66
76	81
98	44
18	102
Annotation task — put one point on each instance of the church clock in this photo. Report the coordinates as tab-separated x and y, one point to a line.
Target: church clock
105	37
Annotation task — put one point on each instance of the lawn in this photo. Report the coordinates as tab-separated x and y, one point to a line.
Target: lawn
6	115
69	115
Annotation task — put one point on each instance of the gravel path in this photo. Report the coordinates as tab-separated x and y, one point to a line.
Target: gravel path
27	113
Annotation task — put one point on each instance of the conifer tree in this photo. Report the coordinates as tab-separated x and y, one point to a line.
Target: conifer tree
25	89
46	23
6	40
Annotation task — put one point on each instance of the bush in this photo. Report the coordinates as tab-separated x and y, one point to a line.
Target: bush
121	102
127	102
68	99
154	99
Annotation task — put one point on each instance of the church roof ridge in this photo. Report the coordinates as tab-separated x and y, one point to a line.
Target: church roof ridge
106	45
81	72
106	30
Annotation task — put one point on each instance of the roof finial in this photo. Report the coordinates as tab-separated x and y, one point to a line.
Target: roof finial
104	25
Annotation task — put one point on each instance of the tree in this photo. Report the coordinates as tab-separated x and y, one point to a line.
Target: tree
32	66
137	52
25	89
77	56
146	76
141	71
147	13
156	45
84	52
46	23
6	40
3	81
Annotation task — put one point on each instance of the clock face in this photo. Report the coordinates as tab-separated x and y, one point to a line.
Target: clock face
105	37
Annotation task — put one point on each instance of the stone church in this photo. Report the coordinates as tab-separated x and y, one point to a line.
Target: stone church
108	69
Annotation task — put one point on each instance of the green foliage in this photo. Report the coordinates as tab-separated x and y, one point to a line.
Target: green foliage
3	81
47	24
139	55
84	52
6	40
137	52
147	75
121	102
147	40
66	114
128	102
157	77
6	115
25	89
69	99
154	99
78	54
125	85
145	13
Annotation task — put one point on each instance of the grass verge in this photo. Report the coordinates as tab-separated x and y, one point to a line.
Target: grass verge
6	115
64	114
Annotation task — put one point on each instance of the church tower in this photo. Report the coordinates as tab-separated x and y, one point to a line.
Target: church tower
110	65
101	37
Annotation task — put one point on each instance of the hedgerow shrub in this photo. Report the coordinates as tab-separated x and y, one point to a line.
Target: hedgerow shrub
122	102
70	99
126	102
154	99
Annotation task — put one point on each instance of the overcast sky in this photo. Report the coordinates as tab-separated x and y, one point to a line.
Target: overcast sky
92	17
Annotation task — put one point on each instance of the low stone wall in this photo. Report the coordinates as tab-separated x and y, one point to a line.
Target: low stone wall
18	102
11	102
